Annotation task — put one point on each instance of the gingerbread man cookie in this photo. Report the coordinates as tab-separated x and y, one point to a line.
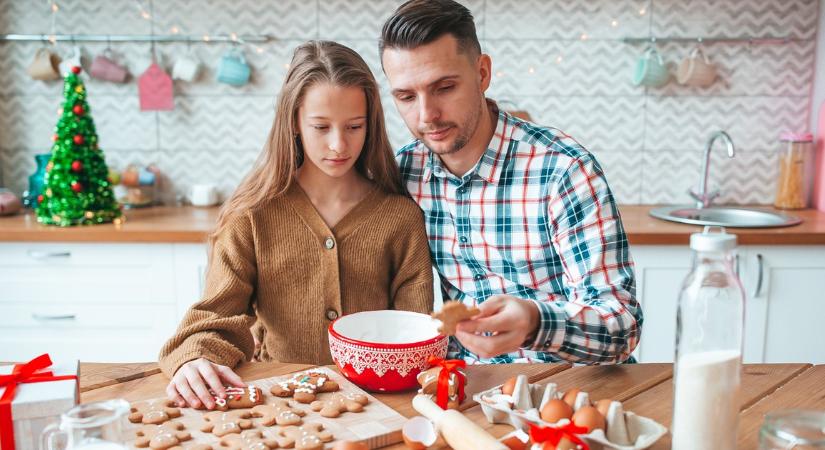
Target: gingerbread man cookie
248	440
306	437
221	423
161	437
279	412
154	412
452	313
239	397
428	380
337	404
304	385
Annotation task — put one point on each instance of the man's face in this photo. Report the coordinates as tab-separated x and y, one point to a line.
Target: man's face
438	91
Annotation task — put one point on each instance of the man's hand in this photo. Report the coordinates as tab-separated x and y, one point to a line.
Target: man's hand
193	381
506	320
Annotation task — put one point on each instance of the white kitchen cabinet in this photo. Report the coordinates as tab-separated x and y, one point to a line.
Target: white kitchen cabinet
783	320
109	302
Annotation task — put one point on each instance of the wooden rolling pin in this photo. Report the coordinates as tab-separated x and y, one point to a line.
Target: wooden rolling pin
459	431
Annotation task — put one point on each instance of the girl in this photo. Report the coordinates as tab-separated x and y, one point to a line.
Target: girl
319	228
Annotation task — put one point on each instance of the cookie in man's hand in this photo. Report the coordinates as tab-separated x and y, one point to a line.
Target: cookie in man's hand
452	313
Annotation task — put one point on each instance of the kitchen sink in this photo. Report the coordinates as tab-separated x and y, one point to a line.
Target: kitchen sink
734	217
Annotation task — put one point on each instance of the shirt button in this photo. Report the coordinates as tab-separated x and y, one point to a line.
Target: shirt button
332	314
478	277
462	190
463	239
329	243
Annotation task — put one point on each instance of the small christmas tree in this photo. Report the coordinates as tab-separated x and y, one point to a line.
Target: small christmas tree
77	190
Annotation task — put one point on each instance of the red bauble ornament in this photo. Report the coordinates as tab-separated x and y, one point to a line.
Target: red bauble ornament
78	139
54	137
77	187
77	166
40	198
78	110
75	69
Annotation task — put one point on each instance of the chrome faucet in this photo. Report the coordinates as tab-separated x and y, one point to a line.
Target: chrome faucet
703	197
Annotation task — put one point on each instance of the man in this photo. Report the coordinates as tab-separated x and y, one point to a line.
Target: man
520	218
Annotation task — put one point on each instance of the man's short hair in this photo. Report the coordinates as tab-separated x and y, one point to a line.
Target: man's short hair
419	22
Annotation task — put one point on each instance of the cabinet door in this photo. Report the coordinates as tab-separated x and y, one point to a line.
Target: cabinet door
190	275
660	271
788	306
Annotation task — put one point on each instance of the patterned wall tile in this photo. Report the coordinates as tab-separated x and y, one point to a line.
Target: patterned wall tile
76	17
216	124
15	58
754	123
28	121
561	19
24	17
623	170
224	168
17	164
692	18
284	19
667	175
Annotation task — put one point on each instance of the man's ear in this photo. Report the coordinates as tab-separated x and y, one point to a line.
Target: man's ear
485	71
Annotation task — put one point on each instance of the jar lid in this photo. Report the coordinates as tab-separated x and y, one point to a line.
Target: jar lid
796	137
706	241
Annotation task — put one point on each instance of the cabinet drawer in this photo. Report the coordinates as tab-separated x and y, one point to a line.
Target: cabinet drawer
89	332
80	273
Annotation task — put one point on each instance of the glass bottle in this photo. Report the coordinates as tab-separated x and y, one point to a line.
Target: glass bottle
709	337
796	429
36	180
796	171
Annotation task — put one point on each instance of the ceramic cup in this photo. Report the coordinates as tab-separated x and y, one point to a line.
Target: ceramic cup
203	194
45	66
233	69
696	70
74	59
650	70
105	68
186	68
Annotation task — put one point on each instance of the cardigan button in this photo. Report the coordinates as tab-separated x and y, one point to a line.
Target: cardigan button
329	243
332	314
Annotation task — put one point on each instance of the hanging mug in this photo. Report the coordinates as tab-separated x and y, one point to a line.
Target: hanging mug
650	70
72	61
696	70
186	68
233	69
45	66
105	68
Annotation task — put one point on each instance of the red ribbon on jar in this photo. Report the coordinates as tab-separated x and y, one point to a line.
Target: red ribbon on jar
448	366
551	436
30	372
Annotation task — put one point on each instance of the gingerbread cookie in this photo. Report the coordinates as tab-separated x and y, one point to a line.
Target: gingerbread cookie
304	385
161	437
239	397
221	423
428	380
154	412
452	313
337	404
306	437
248	440
279	412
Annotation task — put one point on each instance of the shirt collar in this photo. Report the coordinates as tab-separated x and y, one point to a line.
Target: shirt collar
492	160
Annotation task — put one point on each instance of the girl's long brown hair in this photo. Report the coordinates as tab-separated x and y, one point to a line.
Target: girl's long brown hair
276	167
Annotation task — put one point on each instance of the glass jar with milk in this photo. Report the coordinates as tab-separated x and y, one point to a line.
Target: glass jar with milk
709	338
90	426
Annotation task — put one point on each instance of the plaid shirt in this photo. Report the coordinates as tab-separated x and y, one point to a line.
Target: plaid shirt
534	219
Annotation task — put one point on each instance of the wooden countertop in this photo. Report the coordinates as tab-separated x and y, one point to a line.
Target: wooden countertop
645	389
190	224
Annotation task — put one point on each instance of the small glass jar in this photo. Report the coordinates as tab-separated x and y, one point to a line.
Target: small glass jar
793	429
796	171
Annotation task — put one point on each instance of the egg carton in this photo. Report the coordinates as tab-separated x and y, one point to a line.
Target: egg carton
625	430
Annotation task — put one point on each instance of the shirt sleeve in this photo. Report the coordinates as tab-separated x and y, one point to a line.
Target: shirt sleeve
598	320
218	326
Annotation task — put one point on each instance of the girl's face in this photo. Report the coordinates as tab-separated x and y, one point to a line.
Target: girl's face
332	123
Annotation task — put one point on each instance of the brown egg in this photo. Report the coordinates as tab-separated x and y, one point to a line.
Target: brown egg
349	445
509	386
566	444
555	410
570	397
419	433
603	406
590	418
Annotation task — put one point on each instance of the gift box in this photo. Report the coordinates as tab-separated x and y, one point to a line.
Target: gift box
32	396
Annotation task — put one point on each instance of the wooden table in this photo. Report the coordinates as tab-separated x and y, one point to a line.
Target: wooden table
644	388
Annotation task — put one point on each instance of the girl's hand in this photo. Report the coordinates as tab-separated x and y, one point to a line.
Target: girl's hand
193	381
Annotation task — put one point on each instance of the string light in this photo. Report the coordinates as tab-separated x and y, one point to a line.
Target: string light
614	23
174	30
531	70
584	36
559	59
55	8
499	74
205	38
642	11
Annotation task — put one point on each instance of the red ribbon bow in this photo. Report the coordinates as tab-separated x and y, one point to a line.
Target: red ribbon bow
551	436
30	372
448	366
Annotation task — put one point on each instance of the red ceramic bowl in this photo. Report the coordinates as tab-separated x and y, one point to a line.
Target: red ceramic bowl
385	350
